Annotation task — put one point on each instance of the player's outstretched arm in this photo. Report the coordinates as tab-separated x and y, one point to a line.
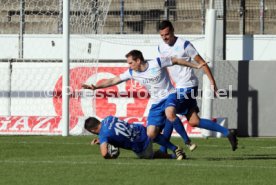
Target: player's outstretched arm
182	62
106	83
207	71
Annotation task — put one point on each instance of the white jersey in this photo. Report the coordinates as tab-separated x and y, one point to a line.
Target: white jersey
182	76
155	78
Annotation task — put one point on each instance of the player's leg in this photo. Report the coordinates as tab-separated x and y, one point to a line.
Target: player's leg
156	119
177	124
154	134
207	124
161	140
152	131
148	153
163	155
170	111
190	103
185	100
167	132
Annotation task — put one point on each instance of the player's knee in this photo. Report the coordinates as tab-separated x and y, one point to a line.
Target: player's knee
151	135
151	132
193	123
193	119
170	116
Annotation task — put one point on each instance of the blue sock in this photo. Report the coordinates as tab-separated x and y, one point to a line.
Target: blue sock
213	126
173	156
179	128
161	140
167	132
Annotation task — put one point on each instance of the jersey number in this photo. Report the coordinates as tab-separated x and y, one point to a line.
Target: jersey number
121	128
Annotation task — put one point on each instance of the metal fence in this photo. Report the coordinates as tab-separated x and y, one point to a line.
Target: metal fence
141	16
240	16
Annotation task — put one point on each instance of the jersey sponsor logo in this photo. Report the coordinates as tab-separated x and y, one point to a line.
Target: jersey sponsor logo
152	80
154	71
177	48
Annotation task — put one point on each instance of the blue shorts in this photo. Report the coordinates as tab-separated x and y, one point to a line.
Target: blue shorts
157	116
186	98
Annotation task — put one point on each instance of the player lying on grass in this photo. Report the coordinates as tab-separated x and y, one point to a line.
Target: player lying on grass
154	76
186	82
121	134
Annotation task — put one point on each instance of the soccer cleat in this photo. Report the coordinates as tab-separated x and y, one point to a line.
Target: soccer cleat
191	146
232	137
179	155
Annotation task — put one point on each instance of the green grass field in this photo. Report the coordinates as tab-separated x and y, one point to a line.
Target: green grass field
56	160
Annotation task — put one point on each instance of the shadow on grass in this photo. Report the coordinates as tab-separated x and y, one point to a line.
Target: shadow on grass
245	157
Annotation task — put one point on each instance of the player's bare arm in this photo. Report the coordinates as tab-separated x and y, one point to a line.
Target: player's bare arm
95	141
182	62
207	71
106	83
104	151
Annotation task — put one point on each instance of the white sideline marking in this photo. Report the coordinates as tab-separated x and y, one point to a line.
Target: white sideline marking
87	143
51	143
268	147
132	163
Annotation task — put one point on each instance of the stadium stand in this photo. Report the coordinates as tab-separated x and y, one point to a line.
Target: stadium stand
140	17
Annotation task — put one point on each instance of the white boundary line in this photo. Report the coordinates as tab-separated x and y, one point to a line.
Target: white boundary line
50	143
87	143
133	163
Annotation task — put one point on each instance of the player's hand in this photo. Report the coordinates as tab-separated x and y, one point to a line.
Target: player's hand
92	87
95	142
215	90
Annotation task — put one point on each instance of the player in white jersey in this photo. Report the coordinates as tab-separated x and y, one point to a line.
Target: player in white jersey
154	76
186	82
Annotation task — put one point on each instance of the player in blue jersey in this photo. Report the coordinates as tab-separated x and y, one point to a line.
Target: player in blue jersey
112	130
186	82
155	78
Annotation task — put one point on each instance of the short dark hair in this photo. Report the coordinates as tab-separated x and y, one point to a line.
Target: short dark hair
136	54
91	123
165	24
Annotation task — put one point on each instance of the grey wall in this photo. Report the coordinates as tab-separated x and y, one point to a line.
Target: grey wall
252	108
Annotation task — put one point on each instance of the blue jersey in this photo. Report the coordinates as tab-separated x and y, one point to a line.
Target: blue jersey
124	135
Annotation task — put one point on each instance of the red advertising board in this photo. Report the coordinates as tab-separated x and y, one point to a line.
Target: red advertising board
128	100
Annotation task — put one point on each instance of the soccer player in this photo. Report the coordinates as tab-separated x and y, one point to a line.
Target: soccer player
154	76
112	130
186	82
